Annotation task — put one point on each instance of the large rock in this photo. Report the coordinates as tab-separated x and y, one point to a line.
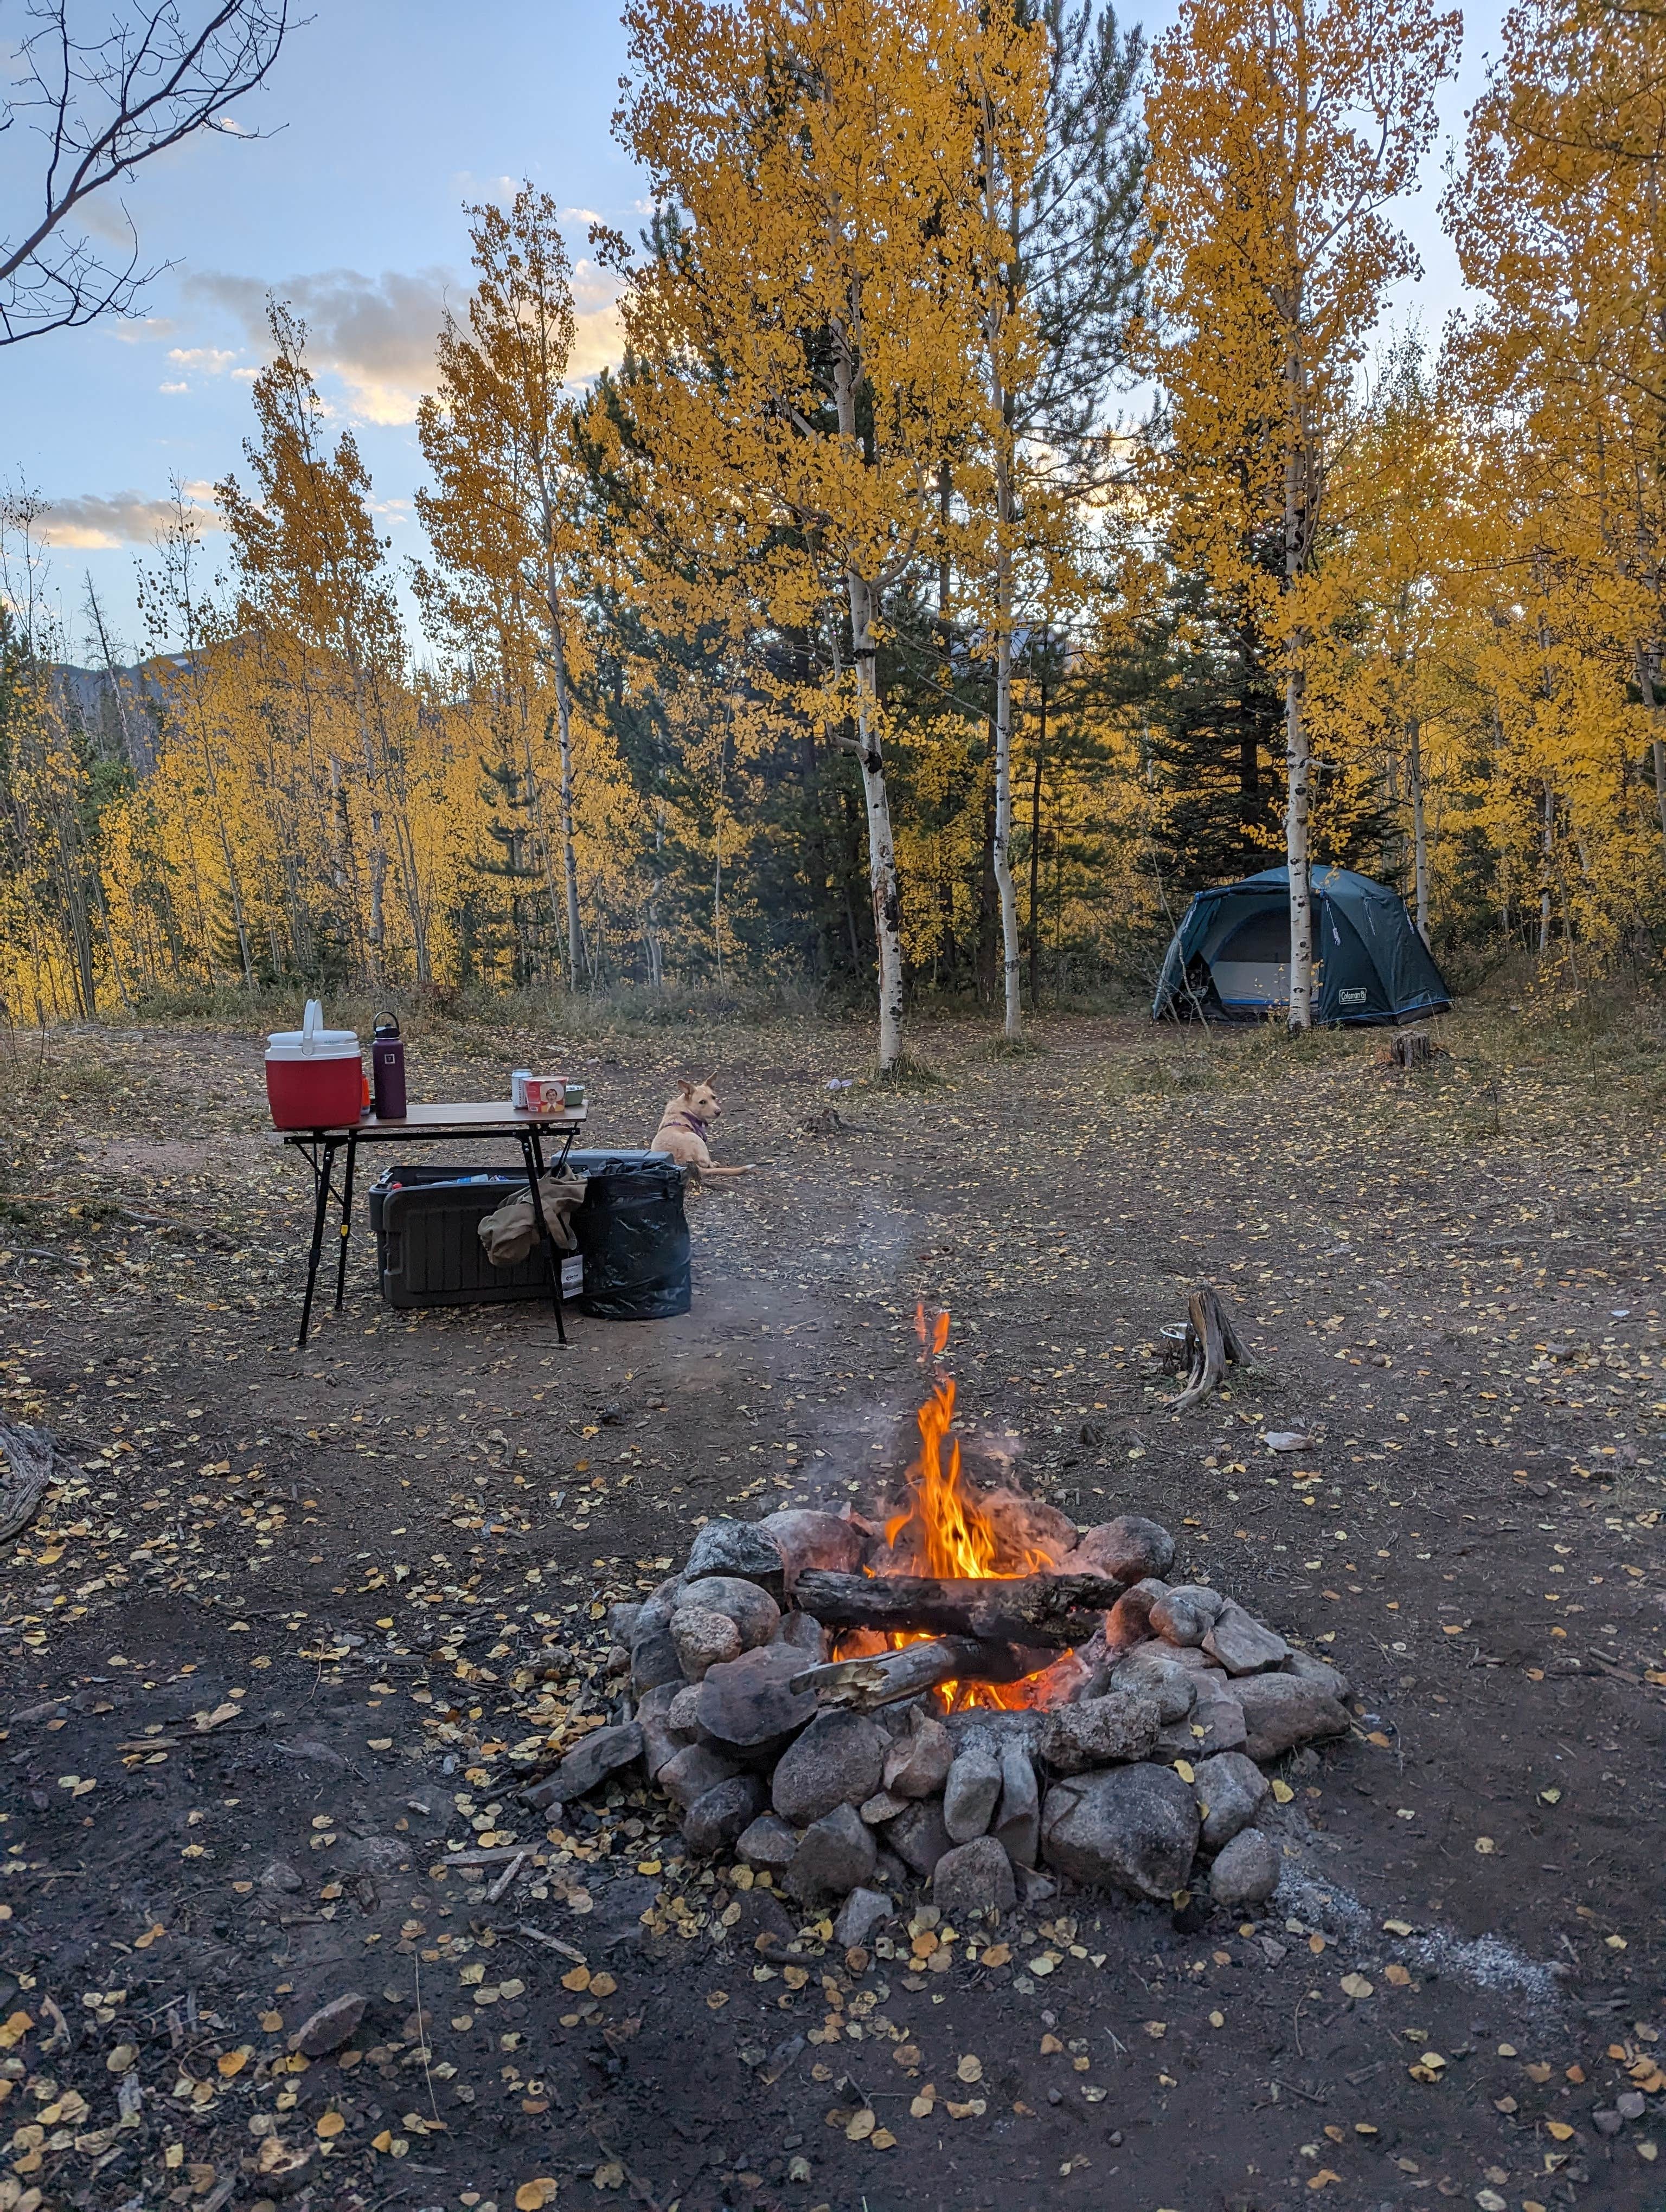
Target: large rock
807	1538
1329	1678
588	1766
1283	1711
969	1794
703	1640
738	1547
1128	1621
1230	1789
718	1816
768	1842
803	1633
1018	1820
662	1739
974	1877
753	1610
836	1855
863	1911
1023	1525
838	1760
1121	1725
653	1659
1186	1615
1133	1828
917	1764
1214	1723
1247	1871
1154	1668
1129	1549
1241	1643
918	1836
687	1777
746	1704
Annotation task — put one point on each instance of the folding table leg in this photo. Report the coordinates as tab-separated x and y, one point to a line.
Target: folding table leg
533	1153
346	1216
322	1167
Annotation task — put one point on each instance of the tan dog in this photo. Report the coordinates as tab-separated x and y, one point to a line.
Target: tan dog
683	1127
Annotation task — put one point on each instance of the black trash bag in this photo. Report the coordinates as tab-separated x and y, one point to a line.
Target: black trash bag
634	1239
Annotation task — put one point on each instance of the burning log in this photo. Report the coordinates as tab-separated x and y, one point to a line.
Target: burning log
881	1678
1029	1609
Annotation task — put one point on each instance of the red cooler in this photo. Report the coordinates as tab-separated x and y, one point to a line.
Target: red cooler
314	1078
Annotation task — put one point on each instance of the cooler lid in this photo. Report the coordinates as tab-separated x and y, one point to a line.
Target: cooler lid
312	1041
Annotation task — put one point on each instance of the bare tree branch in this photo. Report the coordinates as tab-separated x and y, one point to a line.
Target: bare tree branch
101	104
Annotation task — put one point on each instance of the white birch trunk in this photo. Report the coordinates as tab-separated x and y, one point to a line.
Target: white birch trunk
1419	831
881	845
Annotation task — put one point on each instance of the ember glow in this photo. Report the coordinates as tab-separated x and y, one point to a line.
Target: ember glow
943	1531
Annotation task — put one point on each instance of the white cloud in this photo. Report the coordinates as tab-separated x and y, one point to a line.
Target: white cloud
377	333
213	360
93	524
173	387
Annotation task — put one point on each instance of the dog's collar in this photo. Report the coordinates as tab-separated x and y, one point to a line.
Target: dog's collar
681	1120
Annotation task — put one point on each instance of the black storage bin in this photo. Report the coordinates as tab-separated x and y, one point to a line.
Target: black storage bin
427	1221
634	1238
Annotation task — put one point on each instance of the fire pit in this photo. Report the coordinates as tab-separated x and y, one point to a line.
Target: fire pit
969	1692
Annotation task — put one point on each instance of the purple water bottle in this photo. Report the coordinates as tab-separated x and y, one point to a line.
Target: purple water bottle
387	1069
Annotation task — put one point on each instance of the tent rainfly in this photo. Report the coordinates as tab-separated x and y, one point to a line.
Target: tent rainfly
1230	958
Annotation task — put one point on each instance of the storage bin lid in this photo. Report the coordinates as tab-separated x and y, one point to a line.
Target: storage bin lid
312	1041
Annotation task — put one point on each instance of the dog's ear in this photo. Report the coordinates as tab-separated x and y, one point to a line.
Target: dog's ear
707	1081
686	1086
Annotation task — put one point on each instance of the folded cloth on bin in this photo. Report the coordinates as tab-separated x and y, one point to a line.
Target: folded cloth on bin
509	1234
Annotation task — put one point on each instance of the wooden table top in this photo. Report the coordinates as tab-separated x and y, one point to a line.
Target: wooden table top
467	1117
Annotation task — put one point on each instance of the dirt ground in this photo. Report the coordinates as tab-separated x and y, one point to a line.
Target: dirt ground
291	1624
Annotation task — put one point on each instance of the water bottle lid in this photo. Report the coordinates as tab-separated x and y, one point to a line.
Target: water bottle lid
386	1025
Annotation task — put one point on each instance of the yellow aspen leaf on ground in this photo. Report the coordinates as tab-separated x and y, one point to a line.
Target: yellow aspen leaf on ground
1157	2029
1560	2130
1356	1985
715	1999
1185	1769
1323	2179
610	2176
1282	1792
601	1985
794	1976
330	2123
1050	2043
1397	1975
271	2021
861	2125
1315	1944
576	1978
925	2103
232	2062
122	2058
1398	1927
1538	2071
973	2109
882	2139
533	2196
998	1954
1485	1846
969	2069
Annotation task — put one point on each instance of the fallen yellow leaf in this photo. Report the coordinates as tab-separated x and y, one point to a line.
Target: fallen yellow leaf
1282	1792
969	2069
533	2196
330	2123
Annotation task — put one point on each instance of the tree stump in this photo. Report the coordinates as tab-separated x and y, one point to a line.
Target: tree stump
1212	1341
1409	1048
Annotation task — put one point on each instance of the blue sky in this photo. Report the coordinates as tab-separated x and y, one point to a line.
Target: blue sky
386	117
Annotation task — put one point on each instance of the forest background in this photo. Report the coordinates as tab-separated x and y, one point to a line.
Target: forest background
1009	515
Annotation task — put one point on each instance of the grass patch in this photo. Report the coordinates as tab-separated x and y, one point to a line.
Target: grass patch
1017	1047
910	1071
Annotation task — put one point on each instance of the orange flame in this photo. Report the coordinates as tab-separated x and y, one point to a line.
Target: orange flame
944	1529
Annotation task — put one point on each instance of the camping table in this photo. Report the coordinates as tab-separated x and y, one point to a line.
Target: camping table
441	1124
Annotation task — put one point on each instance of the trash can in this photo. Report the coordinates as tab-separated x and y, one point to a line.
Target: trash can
634	1240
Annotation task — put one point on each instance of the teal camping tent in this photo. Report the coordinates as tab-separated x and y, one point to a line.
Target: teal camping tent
1230	958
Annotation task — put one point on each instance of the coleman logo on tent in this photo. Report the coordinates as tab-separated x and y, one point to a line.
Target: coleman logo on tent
1350	998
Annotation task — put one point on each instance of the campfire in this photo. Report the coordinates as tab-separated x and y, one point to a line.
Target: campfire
966	1689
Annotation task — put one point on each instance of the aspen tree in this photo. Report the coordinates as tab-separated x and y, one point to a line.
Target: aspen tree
1280	131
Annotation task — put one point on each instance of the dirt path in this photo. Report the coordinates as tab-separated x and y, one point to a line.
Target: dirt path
294	1622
